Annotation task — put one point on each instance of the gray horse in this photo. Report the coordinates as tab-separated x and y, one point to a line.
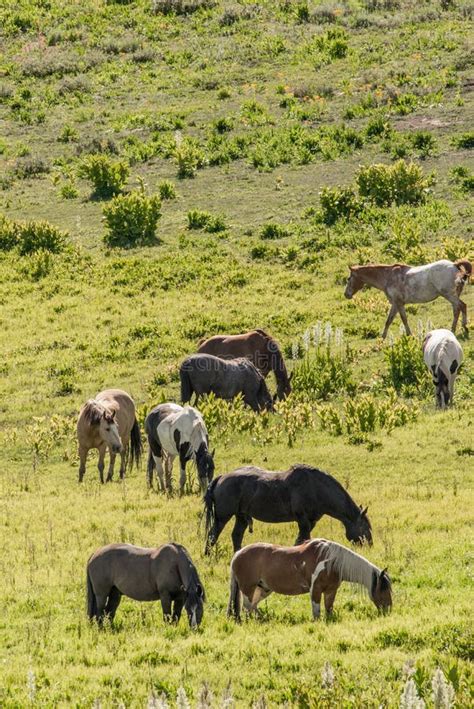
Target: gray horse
165	573
226	378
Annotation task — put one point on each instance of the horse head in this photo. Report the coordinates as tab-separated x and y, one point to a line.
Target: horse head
264	397
194	604
109	432
354	283
359	530
381	591
205	466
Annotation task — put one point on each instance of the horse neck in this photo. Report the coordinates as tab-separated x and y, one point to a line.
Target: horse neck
187	570
351	566
281	373
343	508
198	437
375	276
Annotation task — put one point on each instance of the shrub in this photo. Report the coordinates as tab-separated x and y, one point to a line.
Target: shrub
464	140
203	220
424	142
36	236
108	177
8	234
463	177
68	135
337	203
274	231
131	219
189	157
223	125
180	7
323	372
407	371
30	167
167	190
401	183
68	191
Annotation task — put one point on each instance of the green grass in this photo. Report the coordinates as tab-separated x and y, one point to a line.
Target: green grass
246	127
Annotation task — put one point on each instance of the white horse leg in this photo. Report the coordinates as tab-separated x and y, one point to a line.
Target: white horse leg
456	303
169	460
403	315
182	478
159	472
110	473
391	315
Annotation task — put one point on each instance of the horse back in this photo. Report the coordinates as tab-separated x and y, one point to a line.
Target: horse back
122	403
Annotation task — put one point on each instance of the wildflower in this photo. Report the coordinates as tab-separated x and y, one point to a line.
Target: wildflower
178	138
327	332
339	336
443	691
294	350
409	668
306	339
327	676
390	339
181	699
204	698
317	329
227	699
410	698
157	702
31	684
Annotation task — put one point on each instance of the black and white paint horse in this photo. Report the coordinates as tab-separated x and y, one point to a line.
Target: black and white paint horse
443	356
173	431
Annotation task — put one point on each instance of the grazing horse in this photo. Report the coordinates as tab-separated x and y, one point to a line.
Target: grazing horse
443	356
301	494
316	566
165	573
176	431
109	421
226	378
257	346
414	284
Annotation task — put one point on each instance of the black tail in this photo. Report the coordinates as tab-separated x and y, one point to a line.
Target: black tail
186	385
136	445
210	509
91	599
233	609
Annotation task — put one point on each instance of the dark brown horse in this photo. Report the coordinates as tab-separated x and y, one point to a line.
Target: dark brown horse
301	494
166	574
257	346
316	567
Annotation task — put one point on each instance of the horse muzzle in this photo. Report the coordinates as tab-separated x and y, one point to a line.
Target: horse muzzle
117	448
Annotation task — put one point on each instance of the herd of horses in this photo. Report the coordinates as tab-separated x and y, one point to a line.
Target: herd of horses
228	365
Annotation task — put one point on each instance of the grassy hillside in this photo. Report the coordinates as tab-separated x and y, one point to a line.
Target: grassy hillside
247	112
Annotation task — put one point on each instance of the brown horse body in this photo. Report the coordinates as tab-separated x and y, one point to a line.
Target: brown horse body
109	421
257	346
316	567
414	284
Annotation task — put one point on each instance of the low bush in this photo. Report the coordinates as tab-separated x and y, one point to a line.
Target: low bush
25	168
30	237
198	219
463	177
167	190
189	156
464	140
400	183
337	203
407	372
274	231
131	219
108	177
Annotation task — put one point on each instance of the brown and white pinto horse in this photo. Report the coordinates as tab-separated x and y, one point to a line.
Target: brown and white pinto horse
257	346
414	284
316	567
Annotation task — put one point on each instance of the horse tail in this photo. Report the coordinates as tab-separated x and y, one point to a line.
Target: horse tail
136	445
210	509
91	599
233	609
186	384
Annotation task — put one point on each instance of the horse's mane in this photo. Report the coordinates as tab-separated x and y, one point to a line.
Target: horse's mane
463	264
93	412
351	566
379	265
194	576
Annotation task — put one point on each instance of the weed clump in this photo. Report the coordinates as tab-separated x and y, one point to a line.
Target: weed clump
131	219
401	183
30	237
198	219
108	177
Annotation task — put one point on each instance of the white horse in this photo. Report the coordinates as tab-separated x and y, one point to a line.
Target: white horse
172	431
443	356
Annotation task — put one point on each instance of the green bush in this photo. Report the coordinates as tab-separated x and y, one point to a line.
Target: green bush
189	157
337	203
8	234
424	142
274	231
464	140
322	373
108	177
131	219
30	237
463	177
167	190
400	183
211	223
407	371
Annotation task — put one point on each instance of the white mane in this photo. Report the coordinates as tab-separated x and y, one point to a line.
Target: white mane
350	566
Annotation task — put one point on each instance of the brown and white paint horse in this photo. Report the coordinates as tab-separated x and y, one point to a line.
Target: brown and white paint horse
316	567
257	346
109	421
414	284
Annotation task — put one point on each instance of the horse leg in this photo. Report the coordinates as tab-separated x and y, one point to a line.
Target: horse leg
316	603
165	599
110	474
403	315
100	464
304	527
392	312
123	461
82	462
214	534
177	608
459	306
463	307
159	472
113	603
169	460
329	597
182	470
241	524
101	603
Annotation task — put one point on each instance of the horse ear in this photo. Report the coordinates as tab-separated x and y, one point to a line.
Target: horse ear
213	453
384	571
351	268
363	512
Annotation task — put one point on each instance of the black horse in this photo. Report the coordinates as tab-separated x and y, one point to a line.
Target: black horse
301	494
226	378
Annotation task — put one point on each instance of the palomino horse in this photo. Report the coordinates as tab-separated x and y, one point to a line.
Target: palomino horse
165	573
176	431
443	356
226	378
414	284
257	346
109	421
301	494
317	567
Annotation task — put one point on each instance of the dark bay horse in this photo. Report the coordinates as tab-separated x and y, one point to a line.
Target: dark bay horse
166	574
172	431
414	284
257	346
316	567
301	494
109	421
226	378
